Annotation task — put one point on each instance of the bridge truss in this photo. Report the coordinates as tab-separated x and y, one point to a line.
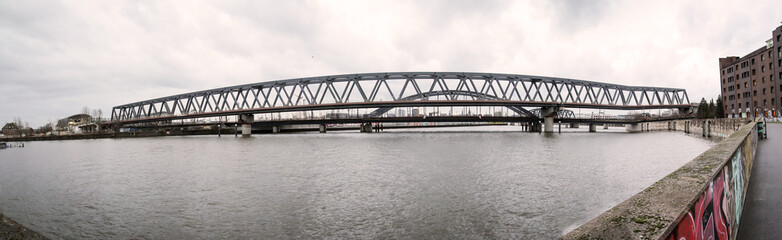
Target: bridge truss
386	91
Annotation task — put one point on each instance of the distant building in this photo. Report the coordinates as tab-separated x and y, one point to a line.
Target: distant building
750	85
11	129
414	113
77	123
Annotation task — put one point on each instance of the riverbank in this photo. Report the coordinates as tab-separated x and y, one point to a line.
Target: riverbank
224	131
10	229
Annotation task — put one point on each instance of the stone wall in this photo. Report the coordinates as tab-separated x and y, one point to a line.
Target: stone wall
702	198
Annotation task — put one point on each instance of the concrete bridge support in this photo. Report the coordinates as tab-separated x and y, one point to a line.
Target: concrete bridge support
365	127
322	128
592	127
533	127
635	127
548	123
276	129
548	114
247	121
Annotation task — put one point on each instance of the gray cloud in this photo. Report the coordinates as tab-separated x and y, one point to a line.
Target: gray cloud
56	57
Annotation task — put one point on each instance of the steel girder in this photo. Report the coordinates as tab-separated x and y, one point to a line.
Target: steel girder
386	89
564	113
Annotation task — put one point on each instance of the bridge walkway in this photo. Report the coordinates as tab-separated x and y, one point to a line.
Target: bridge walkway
762	217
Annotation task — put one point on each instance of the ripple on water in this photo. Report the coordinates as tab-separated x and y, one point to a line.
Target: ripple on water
484	182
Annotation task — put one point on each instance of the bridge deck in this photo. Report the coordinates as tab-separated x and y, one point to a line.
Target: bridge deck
419	119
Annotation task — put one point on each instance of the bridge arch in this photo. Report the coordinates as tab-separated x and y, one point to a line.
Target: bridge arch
453	94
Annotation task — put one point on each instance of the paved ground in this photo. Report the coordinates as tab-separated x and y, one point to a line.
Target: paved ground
762	217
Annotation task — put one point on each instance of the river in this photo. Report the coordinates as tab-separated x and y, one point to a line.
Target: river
443	183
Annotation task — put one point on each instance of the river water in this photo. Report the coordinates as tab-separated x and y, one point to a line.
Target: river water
445	183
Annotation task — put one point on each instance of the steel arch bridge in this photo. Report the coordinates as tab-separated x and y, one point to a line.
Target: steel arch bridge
385	91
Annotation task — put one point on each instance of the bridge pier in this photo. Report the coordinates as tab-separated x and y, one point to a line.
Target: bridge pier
592	127
322	128
548	114
276	129
548	123
633	127
247	121
365	127
533	127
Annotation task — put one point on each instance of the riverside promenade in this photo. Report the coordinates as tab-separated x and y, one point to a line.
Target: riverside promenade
762	216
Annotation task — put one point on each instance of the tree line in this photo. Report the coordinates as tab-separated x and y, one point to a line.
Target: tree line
710	109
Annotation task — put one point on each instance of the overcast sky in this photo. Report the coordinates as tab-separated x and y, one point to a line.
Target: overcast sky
57	57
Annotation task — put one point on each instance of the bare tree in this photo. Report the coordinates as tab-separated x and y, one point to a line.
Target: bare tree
85	110
53	124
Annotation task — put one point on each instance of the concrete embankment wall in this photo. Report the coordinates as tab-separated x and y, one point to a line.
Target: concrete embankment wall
703	198
721	127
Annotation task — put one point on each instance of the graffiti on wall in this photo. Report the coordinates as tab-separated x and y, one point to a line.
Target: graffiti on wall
716	212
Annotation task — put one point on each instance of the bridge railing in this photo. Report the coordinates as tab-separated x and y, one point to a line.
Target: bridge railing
377	90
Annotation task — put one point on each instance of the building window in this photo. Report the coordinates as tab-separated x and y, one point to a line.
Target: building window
753	72
753	61
739	105
762	57
763	68
771	90
764	102
754	82
755	103
762	80
755	94
764	91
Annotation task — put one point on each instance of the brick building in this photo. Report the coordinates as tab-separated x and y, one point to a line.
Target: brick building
751	85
